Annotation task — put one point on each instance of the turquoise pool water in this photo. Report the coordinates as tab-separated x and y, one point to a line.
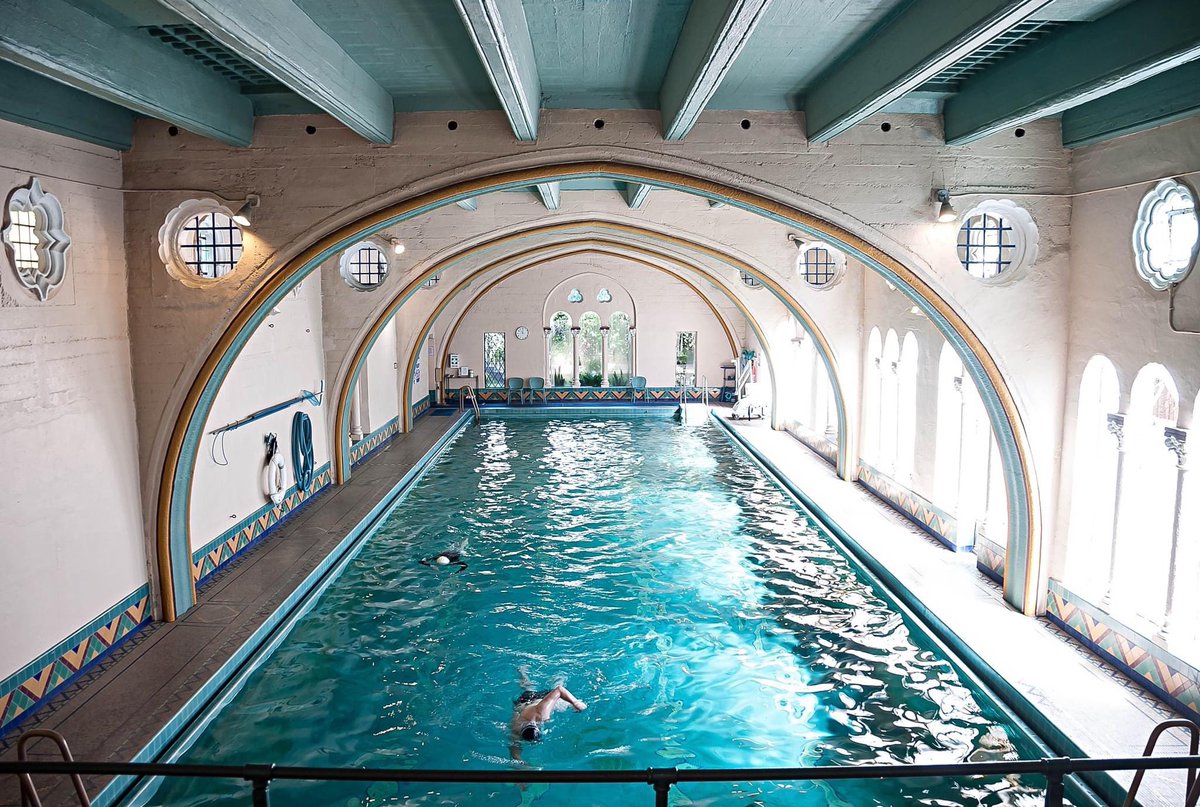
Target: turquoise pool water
702	616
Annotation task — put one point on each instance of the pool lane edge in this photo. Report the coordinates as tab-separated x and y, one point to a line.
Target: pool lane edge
191	719
1104	790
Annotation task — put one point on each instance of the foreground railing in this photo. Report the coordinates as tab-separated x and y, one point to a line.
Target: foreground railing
661	779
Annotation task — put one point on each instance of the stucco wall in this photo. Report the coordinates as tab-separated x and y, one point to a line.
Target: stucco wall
383	395
70	516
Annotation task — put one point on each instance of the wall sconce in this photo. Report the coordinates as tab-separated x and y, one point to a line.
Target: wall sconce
397	246
242	216
946	212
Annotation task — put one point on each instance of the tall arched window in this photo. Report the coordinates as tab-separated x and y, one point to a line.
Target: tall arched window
561	372
1184	623
619	349
1147	498
871	394
1094	471
906	409
591	373
949	429
889	403
974	461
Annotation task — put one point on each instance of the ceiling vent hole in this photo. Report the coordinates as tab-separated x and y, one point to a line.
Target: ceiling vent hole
885	127
452	125
310	130
745	123
1019	133
598	123
173	130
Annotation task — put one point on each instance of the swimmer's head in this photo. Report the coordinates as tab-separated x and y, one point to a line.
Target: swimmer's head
531	733
442	560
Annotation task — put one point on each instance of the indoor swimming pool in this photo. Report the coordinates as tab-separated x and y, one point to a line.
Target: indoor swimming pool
704	618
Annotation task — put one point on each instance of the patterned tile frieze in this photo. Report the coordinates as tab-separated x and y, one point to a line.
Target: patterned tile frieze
922	512
989	558
360	450
225	546
820	446
33	685
1146	663
570	395
421	407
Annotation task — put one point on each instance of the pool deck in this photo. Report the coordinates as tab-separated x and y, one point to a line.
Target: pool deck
122	704
1093	704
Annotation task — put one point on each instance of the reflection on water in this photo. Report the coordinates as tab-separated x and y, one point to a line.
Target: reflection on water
705	621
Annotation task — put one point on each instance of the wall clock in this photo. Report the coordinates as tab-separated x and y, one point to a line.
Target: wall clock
522	332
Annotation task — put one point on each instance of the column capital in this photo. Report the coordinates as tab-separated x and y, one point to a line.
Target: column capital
1116	427
958	384
1176	442
575	329
546	329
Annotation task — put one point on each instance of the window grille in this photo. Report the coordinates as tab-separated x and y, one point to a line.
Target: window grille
1166	234
750	280
23	239
986	245
493	360
818	267
210	244
368	265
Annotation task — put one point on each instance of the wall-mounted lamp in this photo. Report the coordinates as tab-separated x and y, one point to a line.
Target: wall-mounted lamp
397	246
797	240
946	212
242	216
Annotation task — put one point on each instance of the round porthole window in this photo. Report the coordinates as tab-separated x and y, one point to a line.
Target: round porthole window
199	242
749	280
364	266
1166	235
820	266
997	240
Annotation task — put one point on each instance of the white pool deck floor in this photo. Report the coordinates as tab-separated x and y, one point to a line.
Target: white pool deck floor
1100	710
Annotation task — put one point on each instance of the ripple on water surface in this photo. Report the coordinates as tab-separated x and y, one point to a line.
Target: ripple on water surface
702	617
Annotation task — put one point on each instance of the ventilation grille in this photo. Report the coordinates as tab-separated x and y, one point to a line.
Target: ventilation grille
191	41
1020	36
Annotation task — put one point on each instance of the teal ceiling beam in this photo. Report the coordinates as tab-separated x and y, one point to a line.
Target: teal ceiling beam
713	35
1074	65
635	194
468	204
35	101
909	50
551	193
56	40
501	36
1167	97
281	40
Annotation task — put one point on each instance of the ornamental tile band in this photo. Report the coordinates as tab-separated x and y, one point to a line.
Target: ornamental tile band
922	512
374	440
32	686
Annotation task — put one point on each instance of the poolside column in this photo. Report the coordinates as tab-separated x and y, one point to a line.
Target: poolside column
356	432
549	371
632	351
604	355
574	355
1116	427
1176	442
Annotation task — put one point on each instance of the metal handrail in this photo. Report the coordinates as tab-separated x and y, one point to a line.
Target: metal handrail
469	394
1193	786
29	794
661	779
704	390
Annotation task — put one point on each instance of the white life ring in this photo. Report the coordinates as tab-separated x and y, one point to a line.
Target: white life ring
275	479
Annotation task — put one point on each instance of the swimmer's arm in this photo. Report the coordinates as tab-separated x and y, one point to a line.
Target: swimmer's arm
426	562
461	566
571	699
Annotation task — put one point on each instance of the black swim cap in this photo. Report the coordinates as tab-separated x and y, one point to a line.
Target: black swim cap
531	733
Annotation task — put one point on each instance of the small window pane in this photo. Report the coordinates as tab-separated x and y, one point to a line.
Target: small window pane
368	265
23	238
493	360
210	245
1164	239
604	296
576	296
818	267
986	245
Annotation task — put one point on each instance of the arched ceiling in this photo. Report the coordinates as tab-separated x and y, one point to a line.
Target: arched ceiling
210	66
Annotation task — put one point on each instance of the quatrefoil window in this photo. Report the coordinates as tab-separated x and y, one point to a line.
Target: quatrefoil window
35	240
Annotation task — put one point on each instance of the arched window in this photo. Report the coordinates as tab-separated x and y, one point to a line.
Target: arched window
1184	622
975	462
619	349
590	350
1147	498
1094	471
804	373
561	356
906	409
889	403
949	429
871	394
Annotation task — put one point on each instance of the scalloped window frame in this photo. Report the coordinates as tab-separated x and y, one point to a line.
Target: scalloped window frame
1161	278
346	270
1025	238
836	256
171	255
49	227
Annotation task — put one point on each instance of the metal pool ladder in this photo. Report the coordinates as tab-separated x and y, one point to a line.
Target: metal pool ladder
469	395
1193	786
29	794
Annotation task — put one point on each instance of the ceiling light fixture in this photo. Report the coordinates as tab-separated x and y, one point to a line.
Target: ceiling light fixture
946	212
242	216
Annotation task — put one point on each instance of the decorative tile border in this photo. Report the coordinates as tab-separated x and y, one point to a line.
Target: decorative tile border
922	512
819	445
374	440
422	406
577	411
1169	678
224	547
571	395
32	686
989	558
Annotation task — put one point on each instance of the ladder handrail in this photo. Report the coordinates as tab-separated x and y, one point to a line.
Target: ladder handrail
704	390
470	395
1193	787
29	794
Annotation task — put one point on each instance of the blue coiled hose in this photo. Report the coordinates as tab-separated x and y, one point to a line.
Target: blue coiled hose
302	451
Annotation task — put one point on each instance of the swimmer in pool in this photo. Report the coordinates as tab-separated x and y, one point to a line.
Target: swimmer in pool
445	559
532	709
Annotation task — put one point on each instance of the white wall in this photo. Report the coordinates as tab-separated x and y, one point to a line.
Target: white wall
383	396
70	518
282	358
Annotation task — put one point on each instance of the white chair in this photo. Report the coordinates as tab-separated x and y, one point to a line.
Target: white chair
754	402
